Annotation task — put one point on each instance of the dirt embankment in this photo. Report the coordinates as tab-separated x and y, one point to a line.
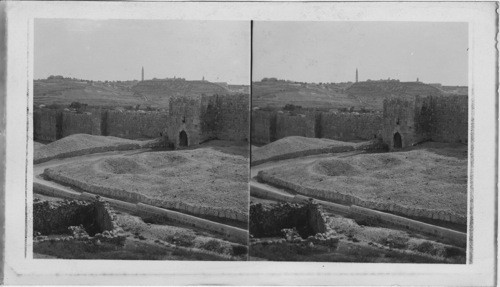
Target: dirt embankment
82	144
296	146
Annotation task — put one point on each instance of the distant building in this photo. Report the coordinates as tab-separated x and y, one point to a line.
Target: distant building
356	75
142	74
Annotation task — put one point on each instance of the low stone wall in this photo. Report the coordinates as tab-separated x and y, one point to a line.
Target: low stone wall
85	221
122	194
354	211
296	223
232	233
455	237
348	199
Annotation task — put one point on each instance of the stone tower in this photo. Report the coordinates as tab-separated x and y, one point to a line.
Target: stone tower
356	75
142	74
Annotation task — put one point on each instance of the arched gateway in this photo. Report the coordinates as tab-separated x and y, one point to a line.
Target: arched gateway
183	139
397	141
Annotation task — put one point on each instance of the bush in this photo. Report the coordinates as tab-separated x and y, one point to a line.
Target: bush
239	250
213	245
291	107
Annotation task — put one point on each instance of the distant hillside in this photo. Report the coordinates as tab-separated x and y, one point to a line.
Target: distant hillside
457	90
371	94
280	93
153	93
160	91
65	91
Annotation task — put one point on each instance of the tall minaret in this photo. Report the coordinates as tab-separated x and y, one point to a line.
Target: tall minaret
142	73
356	75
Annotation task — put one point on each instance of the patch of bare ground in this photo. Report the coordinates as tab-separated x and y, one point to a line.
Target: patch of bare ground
296	146
431	177
154	230
360	241
80	144
241	148
200	178
37	145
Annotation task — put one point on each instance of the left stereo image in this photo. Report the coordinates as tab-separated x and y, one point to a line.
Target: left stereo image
140	139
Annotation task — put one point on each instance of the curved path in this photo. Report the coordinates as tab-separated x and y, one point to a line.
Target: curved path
55	189
264	190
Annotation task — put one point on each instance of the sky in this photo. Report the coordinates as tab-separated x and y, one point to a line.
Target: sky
331	51
117	49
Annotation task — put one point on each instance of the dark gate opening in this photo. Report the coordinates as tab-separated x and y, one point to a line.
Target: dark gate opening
183	139
397	141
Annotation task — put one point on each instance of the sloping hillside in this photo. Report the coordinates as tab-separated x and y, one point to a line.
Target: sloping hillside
280	93
160	91
368	95
66	91
153	93
371	94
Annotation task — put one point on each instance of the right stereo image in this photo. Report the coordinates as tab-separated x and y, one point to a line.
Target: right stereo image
359	142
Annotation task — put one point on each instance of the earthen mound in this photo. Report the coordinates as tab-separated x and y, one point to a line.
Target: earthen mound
121	166
296	146
81	144
334	167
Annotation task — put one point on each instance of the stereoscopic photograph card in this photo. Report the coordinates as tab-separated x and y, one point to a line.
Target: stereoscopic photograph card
276	143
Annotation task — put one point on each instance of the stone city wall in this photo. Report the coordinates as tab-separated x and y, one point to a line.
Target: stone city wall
228	115
268	126
47	124
263	127
350	126
81	123
295	125
136	124
450	116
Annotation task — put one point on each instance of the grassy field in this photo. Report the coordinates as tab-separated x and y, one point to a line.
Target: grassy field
201	177
430	177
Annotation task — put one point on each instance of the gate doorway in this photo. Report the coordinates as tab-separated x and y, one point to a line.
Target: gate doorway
397	141
183	139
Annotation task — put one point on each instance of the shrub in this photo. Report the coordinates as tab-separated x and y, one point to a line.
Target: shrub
213	245
239	250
